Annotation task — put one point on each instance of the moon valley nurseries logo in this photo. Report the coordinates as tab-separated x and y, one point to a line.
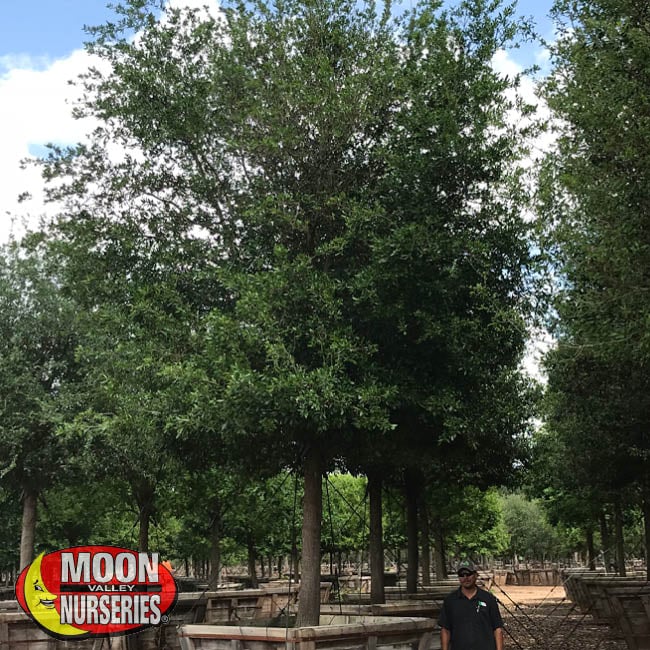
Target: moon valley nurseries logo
95	591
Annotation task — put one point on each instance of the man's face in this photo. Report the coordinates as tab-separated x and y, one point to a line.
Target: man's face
467	579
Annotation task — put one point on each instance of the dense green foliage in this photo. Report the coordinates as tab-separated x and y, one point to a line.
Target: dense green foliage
295	246
309	254
594	202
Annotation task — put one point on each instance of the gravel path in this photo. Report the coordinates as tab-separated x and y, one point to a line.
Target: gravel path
542	618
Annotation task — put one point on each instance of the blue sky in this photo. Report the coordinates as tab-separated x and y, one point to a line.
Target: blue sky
41	50
50	29
47	28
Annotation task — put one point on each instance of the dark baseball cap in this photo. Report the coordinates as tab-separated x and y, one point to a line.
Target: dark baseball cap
466	566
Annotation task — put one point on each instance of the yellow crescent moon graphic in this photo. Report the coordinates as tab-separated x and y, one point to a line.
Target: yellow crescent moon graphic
41	602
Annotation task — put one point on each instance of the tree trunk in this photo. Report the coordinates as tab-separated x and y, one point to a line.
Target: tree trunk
646	528
411	493
591	552
425	554
439	551
606	541
252	563
144	519
214	579
28	531
620	542
377	592
309	602
144	495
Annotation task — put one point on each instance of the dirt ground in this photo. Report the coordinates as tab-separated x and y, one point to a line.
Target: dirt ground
542	618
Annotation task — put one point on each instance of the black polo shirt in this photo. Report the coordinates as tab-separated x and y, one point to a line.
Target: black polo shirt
471	622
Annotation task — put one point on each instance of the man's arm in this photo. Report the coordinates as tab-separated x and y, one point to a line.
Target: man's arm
498	638
445	637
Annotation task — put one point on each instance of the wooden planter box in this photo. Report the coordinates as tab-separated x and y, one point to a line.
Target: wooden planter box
9	606
584	589
631	613
19	632
249	604
535	577
596	601
436	592
189	608
572	579
500	577
402	608
221	608
335	632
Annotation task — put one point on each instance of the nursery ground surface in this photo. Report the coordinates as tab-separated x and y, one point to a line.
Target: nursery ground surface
542	618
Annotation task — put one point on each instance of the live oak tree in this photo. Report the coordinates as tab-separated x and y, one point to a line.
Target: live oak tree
206	205
309	234
129	351
556	478
588	400
10	509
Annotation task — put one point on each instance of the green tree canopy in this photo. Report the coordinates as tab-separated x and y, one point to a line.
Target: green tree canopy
312	238
594	201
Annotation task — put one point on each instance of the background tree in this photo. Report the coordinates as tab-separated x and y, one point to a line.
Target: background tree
469	524
594	199
37	366
560	479
443	297
530	534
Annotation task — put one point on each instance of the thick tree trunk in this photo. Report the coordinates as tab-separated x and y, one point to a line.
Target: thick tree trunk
439	551
309	602
28	531
620	542
591	552
411	493
606	541
425	550
144	495
252	563
214	579
377	592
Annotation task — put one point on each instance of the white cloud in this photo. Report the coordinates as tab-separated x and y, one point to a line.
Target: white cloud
36	103
539	341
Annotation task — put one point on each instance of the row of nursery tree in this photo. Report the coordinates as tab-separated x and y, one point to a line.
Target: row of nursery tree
261	521
296	242
592	456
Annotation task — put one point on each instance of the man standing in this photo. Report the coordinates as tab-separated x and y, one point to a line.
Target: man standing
470	617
